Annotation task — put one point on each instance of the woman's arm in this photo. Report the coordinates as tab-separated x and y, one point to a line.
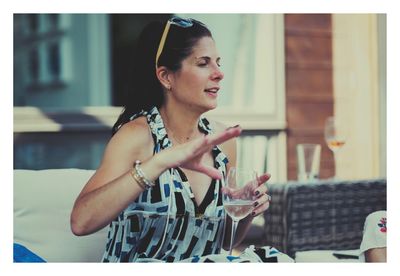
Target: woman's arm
112	188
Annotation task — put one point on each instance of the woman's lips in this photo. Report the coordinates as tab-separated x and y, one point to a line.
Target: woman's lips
212	89
212	94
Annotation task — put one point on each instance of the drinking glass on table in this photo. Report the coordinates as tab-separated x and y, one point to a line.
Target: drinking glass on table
335	136
238	196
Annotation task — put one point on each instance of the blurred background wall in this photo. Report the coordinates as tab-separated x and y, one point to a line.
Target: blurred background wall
284	75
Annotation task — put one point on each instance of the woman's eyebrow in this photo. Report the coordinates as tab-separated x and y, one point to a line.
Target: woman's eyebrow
207	58
204	57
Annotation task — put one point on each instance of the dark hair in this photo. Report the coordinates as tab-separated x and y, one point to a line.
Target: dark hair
147	91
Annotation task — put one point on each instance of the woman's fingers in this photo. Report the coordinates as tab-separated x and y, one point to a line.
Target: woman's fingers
189	155
206	143
263	199
261	189
263	178
216	139
261	204
208	170
233	193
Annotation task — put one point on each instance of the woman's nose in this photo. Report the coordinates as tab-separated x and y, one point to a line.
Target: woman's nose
217	74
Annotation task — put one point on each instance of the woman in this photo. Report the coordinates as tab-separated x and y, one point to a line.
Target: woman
153	211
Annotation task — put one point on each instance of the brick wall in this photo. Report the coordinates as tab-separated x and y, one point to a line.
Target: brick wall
309	85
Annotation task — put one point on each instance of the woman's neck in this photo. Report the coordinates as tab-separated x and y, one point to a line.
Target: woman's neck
181	124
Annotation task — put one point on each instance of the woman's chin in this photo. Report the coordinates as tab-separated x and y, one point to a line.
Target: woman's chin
214	106
211	107
205	107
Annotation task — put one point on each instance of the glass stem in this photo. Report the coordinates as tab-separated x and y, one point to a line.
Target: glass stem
335	162
234	226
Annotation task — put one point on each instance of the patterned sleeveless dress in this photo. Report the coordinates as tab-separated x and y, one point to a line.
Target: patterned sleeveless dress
165	223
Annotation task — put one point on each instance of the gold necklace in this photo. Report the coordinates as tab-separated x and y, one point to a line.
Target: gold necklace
179	141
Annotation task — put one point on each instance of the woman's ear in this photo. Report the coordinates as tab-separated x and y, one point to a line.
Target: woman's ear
163	75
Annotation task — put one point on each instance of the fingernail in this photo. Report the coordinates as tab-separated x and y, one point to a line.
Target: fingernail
253	213
257	193
232	127
255	204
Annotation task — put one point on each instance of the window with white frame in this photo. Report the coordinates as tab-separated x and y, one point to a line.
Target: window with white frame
43	50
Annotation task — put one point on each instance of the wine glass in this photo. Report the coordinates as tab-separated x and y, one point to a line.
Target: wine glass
238	196
335	136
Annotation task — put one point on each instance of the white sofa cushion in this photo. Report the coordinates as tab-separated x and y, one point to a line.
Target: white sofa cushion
43	202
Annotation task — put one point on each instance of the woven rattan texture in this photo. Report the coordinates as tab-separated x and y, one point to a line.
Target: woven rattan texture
327	215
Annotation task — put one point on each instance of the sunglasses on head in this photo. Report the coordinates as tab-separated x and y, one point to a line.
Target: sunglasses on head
178	21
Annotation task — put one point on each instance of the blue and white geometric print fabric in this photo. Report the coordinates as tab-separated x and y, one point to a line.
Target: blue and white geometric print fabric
251	254
165	222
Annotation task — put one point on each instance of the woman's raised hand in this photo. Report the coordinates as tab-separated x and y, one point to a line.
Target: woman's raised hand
190	155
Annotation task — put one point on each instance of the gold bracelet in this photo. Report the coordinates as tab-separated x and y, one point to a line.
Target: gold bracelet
137	179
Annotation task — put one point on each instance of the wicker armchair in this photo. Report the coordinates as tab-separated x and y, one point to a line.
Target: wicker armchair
327	215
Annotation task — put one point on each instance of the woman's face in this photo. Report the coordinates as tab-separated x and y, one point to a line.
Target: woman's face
197	82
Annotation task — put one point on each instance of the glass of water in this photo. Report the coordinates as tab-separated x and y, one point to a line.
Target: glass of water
238	196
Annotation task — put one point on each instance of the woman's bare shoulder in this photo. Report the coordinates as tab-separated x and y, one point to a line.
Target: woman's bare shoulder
138	127
132	139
